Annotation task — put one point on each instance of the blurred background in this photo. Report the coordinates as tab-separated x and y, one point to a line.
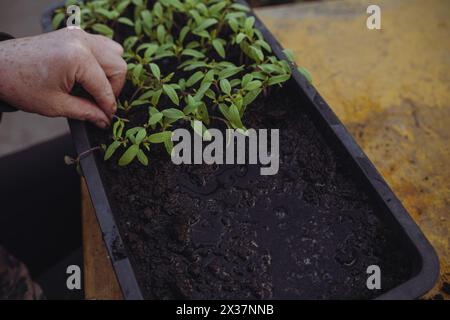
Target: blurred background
19	130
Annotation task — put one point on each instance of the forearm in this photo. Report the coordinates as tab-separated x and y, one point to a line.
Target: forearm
4	107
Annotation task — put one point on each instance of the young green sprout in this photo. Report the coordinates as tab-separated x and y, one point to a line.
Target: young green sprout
180	66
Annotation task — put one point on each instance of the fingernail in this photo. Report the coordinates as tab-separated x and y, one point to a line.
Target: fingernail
102	124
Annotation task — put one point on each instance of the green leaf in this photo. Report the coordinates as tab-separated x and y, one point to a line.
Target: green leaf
239	7
235	117
146	46
138	103
258	53
130	134
202	90
155	71
152	111
248	24
224	110
194	78
246	79
193	53
147	18
192	105
306	73
122	6
142	157
168	144
126	21
182	84
160	137
129	155
209	77
217	44
196	16
195	65
117	129
235	82
183	33
138	3
176	4
264	45
234	25
161	33
110	15
103	29
217	8
129	43
241	36
278	79
137	72
146	95
251	96
225	86
235	15
155	118
259	75
201	131
210	94
203	34
229	72
206	24
203	113
138	27
57	20
253	85
155	97
289	55
142	133
111	149
171	93
158	10
173	113
271	68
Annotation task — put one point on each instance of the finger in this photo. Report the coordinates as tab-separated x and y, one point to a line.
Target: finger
81	109
99	41
109	55
115	69
117	82
93	79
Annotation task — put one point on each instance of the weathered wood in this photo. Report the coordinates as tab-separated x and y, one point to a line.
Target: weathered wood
100	281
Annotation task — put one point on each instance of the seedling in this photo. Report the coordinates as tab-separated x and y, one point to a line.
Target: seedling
68	160
180	68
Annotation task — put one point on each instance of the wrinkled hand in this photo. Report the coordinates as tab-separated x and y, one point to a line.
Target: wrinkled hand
38	73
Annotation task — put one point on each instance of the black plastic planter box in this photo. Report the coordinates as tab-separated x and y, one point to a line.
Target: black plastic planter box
423	260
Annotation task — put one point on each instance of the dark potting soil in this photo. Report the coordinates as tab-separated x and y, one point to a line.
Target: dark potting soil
226	232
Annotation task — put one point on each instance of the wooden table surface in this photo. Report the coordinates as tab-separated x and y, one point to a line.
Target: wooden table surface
391	89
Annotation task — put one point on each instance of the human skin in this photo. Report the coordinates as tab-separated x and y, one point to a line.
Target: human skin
38	73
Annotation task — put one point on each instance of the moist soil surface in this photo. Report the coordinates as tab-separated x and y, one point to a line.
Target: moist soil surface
226	232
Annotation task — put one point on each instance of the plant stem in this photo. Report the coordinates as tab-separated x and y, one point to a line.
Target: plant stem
134	95
86	153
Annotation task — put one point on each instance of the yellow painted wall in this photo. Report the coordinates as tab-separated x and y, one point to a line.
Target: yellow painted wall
390	87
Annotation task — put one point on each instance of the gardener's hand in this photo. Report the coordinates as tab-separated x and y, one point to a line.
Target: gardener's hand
37	74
